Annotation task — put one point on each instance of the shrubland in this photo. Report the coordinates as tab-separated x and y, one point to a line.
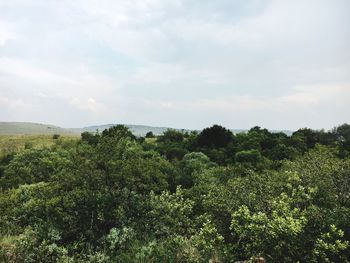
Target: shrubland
180	197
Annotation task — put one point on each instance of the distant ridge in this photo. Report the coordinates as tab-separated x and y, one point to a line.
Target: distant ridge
19	128
137	130
30	128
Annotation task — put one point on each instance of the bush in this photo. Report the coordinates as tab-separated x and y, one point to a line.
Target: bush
55	136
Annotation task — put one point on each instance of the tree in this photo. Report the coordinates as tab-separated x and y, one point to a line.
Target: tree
171	135
309	136
118	132
192	162
150	135
250	156
90	138
274	236
35	165
55	136
169	214
215	137
171	144
342	134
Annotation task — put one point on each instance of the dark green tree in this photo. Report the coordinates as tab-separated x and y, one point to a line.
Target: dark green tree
150	135
215	137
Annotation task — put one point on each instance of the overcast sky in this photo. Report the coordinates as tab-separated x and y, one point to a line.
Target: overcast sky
279	64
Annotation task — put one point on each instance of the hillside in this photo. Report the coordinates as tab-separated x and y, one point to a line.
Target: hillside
29	128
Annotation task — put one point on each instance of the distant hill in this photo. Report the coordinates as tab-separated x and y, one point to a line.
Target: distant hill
29	128
137	130
19	128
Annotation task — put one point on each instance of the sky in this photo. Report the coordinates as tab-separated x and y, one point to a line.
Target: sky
278	64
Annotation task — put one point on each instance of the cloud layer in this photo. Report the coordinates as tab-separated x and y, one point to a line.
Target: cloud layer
278	64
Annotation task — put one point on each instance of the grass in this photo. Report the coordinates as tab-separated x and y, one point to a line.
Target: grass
7	247
151	140
18	128
15	143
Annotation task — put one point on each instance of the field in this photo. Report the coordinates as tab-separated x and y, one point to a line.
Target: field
16	143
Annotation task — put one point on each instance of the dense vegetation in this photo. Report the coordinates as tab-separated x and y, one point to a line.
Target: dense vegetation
179	197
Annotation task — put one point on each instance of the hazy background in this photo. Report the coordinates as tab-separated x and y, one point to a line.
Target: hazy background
186	64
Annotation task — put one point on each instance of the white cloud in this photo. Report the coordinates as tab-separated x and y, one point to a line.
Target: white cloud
87	104
303	97
23	69
11	103
6	32
78	81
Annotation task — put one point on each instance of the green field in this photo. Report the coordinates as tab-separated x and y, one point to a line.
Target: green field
16	143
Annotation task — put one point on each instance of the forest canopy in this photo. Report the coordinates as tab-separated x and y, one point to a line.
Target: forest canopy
209	196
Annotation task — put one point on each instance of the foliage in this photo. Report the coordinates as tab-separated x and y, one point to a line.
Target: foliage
149	135
211	196
215	136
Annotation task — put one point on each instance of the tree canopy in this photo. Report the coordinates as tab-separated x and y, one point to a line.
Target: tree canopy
180	197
